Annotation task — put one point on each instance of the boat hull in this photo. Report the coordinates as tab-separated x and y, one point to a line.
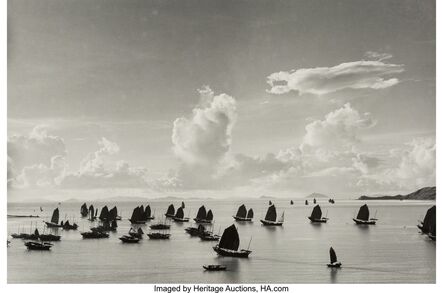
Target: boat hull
129	239
232	253
53	225
239	219
169	215
38	246
362	222
158	236
181	220
216	268
334	265
137	222
202	221
268	223
49	237
322	220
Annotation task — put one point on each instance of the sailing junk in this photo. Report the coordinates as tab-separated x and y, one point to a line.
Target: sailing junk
180	216
428	225
140	215
363	216
201	215
94	235
241	215
292	202
271	217
170	213
38	245
54	220
306	202
229	243
316	215
104	214
84	210
333	258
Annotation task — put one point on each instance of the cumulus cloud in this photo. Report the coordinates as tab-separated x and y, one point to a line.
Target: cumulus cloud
36	159
98	171
338	127
364	74
204	138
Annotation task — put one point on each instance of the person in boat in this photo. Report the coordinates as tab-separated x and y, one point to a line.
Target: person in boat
333	259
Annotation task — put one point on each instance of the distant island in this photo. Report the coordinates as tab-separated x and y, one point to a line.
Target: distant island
317	195
425	193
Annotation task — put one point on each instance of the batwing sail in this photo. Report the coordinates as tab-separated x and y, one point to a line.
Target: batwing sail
209	216
363	213
230	239
332	255
171	210
241	213
271	215
201	214
250	214
316	212
180	214
55	216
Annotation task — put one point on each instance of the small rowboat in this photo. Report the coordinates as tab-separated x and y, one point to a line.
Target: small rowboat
214	268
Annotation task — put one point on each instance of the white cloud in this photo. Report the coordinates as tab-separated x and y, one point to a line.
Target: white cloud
377	55
337	128
323	80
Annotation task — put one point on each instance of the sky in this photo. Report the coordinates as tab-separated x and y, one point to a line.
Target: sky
220	98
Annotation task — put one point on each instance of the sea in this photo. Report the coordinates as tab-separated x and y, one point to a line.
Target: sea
392	251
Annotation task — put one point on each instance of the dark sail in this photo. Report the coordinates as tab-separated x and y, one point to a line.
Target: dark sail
84	210
183	204
427	221
36	232
114	224
171	210
135	214
147	213
271	215
180	214
270	202
292	202
55	216
316	212
201	214
96	212
209	216
112	214
230	239
241	213
332	255
104	213
306	202
363	213
250	214
91	212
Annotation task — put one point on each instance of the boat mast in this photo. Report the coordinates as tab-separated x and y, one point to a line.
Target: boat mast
249	242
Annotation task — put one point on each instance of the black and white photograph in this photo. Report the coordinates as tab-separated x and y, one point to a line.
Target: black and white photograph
220	142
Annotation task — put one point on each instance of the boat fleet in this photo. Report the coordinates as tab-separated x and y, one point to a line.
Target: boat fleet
228	243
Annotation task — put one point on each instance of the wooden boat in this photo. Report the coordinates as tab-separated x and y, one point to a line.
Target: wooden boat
129	239
106	226
425	225
363	216
160	226
54	220
193	231
170	213
138	216
229	243
333	257
292	202
331	201
201	215
271	217
30	236
180	216
31	245
214	267
49	237
241	214
68	226
147	214
157	235
306	202
84	210
112	215
139	233
250	214
209	237
314	201
94	235
316	215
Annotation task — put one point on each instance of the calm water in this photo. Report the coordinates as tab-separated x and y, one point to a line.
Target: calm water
391	252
